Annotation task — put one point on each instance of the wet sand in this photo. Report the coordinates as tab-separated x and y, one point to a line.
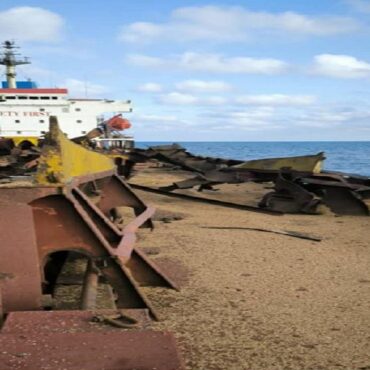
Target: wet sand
254	300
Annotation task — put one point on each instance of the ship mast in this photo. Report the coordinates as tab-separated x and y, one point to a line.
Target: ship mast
9	59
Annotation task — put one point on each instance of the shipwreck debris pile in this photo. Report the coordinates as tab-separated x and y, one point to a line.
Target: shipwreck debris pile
299	183
69	203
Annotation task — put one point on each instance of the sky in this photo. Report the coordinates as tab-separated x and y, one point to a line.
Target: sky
253	70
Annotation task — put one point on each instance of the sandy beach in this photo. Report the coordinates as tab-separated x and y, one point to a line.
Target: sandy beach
255	300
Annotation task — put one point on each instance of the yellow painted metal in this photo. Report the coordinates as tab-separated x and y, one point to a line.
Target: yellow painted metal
19	139
305	163
118	155
62	160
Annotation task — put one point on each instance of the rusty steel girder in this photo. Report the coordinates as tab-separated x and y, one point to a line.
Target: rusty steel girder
70	340
69	205
24	346
295	192
289	196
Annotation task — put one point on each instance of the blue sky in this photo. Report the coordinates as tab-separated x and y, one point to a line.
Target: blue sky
201	70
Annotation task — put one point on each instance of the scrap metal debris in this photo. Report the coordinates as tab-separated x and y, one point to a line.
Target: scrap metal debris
118	320
214	202
69	340
300	185
212	171
343	194
67	205
68	202
63	198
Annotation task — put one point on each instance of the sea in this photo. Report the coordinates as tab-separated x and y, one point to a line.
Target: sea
344	156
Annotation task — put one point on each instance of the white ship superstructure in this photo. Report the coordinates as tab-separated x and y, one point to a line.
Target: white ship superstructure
24	108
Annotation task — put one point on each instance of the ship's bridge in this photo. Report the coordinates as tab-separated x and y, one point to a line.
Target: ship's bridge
31	96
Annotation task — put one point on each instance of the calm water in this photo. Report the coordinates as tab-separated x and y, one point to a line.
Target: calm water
353	157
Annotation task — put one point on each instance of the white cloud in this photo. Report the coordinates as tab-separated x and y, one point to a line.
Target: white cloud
235	23
340	66
150	87
251	119
176	98
259	116
329	117
294	119
145	60
275	100
168	123
213	100
360	5
30	24
203	86
213	63
144	29
154	118
219	64
83	89
308	122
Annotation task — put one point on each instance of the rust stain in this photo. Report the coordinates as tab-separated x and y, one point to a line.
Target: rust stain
6	276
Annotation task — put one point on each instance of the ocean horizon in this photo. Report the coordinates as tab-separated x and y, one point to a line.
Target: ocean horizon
345	156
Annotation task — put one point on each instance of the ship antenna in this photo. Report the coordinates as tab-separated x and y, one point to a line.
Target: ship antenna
9	58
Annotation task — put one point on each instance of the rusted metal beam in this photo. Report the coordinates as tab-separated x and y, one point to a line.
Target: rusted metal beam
297	193
20	277
215	202
65	207
1	310
289	196
62	160
71	340
90	286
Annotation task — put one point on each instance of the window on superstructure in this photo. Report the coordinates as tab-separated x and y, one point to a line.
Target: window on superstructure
79	121
17	121
42	121
19	132
43	132
54	97
10	97
78	109
45	97
34	97
83	132
22	97
42	109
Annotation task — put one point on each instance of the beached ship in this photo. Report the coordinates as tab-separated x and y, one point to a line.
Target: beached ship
25	108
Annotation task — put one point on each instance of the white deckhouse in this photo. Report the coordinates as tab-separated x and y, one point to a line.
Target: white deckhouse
24	108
